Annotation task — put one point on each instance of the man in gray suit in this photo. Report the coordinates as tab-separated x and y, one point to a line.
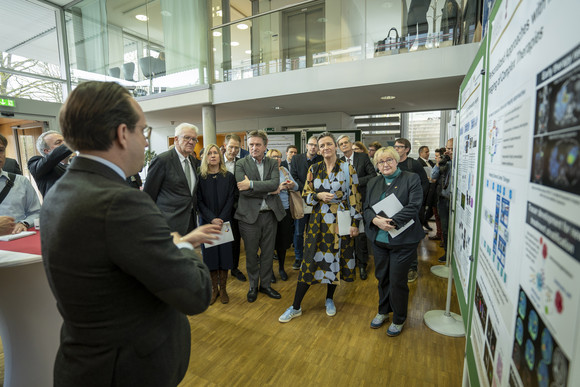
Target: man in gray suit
259	210
122	282
172	181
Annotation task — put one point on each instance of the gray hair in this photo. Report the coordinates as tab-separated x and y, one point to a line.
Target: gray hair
41	144
183	126
343	136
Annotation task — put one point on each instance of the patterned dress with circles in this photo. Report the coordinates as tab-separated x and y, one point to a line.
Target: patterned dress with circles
329	257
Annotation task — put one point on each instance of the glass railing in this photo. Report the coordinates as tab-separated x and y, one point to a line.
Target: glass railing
320	33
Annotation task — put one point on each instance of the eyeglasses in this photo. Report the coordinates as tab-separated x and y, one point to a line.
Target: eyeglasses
275	157
390	161
311	144
147	131
399	146
188	138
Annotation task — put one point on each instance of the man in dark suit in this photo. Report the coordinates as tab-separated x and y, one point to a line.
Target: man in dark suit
291	151
403	148
231	149
259	211
365	171
51	165
172	181
122	282
11	165
299	168
427	212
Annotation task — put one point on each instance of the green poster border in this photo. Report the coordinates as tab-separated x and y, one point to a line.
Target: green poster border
485	51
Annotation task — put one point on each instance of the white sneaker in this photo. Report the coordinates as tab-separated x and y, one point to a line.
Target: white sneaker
290	314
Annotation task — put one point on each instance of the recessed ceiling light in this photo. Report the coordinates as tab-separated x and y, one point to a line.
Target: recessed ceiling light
249	52
235	44
277	108
388	97
242	26
216	33
142	18
215	49
219	13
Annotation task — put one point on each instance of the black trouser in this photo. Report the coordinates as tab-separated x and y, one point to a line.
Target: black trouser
443	210
236	243
391	266
361	250
284	237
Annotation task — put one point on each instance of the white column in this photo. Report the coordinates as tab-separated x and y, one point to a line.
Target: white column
209	125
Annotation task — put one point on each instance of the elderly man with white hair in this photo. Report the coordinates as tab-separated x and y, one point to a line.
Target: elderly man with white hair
172	181
52	162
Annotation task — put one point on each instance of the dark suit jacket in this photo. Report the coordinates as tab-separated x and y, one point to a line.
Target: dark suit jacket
121	285
250	200
11	165
365	171
167	185
46	170
299	168
285	165
407	188
412	165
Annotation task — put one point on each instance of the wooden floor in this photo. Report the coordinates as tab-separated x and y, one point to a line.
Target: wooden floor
242	344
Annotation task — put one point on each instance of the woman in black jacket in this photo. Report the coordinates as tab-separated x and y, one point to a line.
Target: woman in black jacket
393	251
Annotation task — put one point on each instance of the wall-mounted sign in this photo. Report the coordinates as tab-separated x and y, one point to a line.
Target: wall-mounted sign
7	102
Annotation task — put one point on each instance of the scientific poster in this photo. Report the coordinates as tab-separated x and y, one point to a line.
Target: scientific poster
467	145
528	269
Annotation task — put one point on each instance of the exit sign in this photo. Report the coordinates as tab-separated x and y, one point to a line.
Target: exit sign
6	102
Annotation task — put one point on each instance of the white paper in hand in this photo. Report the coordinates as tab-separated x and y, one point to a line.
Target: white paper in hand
226	236
390	206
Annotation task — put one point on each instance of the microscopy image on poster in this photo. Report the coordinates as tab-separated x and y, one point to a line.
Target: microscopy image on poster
537	356
556	152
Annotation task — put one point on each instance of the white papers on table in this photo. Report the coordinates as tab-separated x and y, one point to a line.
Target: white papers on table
391	206
226	236
11	237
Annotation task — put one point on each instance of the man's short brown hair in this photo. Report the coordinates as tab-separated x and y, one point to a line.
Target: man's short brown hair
405	142
233	136
92	113
259	133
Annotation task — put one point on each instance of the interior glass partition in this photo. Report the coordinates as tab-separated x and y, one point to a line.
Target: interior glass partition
149	47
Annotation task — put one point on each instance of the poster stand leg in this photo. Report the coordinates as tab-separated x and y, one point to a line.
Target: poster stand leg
446	322
441	270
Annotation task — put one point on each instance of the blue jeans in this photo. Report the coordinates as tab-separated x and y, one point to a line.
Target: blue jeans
299	226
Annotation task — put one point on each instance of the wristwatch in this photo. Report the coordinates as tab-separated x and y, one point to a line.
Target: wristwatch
25	224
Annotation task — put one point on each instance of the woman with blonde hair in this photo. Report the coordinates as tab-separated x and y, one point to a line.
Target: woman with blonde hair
283	234
215	202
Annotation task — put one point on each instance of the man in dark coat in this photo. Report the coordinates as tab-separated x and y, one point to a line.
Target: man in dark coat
365	171
172	181
122	282
51	165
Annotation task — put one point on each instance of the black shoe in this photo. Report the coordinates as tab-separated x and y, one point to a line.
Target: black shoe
283	275
296	265
252	294
269	292
427	227
239	275
363	274
273	279
443	259
275	257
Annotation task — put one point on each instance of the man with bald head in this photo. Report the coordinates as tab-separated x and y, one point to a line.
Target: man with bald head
172	180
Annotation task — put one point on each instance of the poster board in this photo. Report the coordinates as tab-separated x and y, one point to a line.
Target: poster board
525	309
281	140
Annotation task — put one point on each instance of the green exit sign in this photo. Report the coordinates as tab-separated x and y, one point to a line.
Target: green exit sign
6	102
